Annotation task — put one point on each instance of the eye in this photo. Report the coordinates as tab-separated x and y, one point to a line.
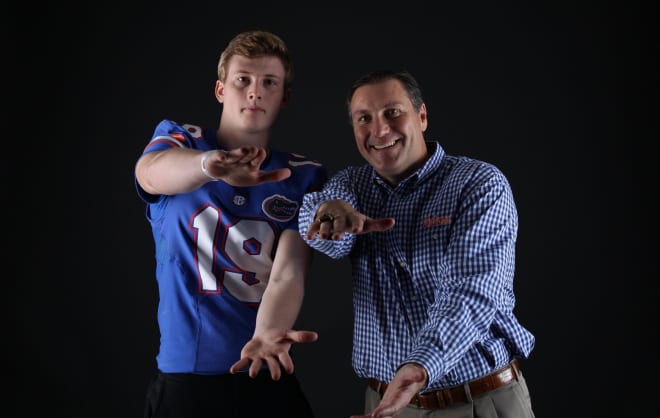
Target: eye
362	119
393	113
242	80
269	82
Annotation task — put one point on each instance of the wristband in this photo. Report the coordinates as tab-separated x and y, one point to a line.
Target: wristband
203	164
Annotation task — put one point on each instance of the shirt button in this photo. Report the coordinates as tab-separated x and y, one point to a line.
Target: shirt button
434	236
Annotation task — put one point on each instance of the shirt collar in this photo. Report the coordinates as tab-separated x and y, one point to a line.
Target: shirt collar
422	173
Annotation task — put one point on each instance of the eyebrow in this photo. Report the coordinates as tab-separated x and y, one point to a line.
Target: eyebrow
387	105
393	104
246	72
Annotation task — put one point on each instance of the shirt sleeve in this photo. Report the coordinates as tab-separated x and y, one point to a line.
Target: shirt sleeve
337	187
477	276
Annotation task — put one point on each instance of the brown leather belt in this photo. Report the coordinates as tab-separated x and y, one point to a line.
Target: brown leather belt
444	398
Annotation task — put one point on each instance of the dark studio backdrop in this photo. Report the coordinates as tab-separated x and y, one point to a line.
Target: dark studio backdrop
553	94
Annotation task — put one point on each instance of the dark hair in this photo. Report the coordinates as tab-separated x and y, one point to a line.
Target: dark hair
404	77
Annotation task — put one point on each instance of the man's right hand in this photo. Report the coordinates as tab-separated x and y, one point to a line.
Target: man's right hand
336	217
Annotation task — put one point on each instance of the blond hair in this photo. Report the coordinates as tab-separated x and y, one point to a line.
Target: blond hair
254	44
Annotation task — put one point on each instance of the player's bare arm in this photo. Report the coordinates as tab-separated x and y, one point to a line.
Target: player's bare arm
278	311
183	170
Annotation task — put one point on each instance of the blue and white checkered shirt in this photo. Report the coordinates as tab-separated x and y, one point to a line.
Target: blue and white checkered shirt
437	288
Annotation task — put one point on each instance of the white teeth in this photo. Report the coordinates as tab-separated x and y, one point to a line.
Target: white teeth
384	145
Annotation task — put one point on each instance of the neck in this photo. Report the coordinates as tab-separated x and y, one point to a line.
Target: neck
231	138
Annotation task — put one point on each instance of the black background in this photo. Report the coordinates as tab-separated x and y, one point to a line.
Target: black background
553	94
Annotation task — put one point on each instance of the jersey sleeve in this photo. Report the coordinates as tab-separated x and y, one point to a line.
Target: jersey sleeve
168	135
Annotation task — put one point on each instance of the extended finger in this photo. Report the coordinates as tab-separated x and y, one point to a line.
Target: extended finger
325	229
313	229
378	225
301	336
274	367
286	362
239	365
253	156
258	156
255	367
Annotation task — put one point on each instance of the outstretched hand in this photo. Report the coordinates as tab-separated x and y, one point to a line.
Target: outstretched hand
242	167
407	382
271	347
336	217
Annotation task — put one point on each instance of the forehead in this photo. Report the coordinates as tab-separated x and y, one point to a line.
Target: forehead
379	95
270	66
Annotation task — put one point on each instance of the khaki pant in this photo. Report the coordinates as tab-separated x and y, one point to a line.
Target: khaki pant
510	401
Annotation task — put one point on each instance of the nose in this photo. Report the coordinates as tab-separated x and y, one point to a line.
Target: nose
381	127
254	93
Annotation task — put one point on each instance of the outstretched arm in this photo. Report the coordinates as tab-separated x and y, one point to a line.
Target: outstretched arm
280	305
183	170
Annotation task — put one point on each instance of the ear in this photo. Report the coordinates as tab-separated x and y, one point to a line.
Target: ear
220	91
423	117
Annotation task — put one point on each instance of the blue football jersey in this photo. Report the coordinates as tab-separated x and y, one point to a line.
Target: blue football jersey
214	251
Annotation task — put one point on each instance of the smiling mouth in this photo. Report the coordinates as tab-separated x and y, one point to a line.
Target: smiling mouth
390	144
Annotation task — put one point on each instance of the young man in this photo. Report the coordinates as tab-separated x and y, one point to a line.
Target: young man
230	263
435	333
